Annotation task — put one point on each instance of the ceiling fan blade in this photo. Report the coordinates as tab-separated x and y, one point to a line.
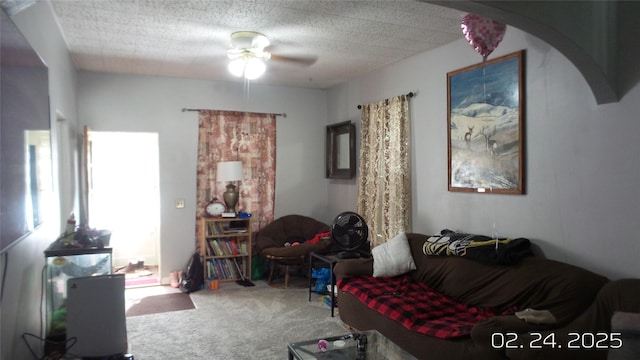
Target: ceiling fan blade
297	60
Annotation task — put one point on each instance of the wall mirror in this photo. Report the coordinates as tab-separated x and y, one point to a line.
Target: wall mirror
341	150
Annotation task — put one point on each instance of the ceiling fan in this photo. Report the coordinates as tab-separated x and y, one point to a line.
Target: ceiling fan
248	55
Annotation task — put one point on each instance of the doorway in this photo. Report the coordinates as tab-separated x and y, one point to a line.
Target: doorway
124	197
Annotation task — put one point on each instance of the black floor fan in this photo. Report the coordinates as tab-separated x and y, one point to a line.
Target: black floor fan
350	234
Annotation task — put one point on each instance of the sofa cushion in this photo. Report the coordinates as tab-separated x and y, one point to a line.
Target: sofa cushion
393	257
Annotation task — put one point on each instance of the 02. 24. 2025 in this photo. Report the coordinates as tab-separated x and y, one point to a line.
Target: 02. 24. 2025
538	340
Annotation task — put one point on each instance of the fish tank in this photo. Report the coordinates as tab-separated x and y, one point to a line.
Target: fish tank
63	264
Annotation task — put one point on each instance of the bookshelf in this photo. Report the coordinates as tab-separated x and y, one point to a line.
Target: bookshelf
225	242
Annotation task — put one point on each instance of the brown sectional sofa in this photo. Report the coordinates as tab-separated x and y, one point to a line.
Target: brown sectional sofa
580	301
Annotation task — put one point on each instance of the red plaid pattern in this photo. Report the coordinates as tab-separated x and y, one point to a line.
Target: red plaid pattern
416	306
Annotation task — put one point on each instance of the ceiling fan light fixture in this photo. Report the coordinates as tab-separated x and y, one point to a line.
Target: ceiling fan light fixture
249	39
250	68
254	69
247	54
236	67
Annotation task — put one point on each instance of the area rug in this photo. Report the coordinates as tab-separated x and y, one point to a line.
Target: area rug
140	277
141	281
233	322
160	304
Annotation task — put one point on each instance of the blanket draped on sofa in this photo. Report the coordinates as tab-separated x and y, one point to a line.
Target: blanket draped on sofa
478	247
416	306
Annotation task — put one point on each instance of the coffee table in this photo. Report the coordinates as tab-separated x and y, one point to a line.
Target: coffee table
369	345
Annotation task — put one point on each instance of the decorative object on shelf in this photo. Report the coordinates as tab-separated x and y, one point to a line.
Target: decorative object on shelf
71	224
230	171
215	208
341	150
485	129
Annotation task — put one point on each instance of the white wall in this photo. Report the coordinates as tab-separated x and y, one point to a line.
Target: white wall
109	102
582	201
22	290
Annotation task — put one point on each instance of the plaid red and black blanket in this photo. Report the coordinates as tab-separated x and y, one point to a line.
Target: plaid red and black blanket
416	306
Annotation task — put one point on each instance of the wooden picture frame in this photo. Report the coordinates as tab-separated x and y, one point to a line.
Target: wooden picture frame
341	151
485	132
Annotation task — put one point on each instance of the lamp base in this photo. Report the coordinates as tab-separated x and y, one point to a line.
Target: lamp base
231	198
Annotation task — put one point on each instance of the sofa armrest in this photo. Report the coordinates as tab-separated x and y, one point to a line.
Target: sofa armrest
353	267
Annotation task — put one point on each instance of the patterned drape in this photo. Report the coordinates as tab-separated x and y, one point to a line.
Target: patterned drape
232	136
384	185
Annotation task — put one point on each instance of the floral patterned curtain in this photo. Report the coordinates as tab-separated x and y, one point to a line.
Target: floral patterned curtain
384	185
233	136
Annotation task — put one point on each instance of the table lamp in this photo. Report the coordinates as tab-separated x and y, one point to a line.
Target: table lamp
230	171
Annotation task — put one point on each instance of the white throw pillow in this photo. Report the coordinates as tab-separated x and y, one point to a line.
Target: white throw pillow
393	257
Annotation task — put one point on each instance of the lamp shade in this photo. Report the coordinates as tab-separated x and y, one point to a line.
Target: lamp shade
229	171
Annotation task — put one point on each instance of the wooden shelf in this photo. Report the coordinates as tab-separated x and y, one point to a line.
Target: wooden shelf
225	248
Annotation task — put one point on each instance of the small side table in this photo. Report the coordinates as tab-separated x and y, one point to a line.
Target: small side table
330	260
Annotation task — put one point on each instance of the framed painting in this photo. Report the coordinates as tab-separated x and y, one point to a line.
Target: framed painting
485	132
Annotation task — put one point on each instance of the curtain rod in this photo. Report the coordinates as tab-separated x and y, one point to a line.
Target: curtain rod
284	115
409	95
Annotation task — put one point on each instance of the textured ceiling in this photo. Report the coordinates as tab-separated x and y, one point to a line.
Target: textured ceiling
189	38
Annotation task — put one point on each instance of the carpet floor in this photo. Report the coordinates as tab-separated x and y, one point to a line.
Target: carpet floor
233	322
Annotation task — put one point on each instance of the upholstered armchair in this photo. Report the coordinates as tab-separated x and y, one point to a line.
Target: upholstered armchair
288	241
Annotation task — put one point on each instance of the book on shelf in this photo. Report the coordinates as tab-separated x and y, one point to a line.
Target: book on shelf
217	251
213	270
210	272
231	230
226	247
214	228
209	248
223	269
234	247
217	228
